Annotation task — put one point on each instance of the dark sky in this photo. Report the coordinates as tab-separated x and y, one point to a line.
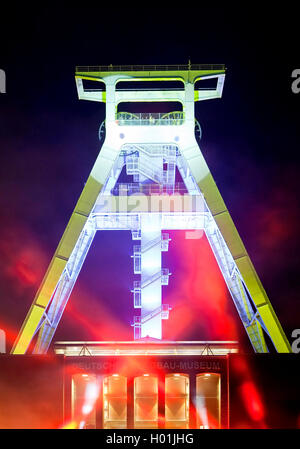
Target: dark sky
48	144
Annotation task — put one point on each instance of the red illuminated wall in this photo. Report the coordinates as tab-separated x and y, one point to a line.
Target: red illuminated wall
31	392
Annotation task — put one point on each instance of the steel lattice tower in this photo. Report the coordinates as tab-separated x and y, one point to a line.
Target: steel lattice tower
150	148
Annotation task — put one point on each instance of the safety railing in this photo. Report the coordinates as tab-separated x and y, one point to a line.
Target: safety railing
148	119
148	189
147	68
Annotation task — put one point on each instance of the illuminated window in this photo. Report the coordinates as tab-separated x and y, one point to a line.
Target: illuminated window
115	402
177	397
146	402
208	389
85	392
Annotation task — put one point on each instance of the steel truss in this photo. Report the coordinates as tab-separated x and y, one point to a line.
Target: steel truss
152	152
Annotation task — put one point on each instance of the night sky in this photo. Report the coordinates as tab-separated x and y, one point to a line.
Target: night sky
49	142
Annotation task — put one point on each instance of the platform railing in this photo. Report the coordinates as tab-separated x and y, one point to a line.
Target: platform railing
148	189
148	119
148	68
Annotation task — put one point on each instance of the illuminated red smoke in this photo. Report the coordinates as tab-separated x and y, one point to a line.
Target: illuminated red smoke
23	263
249	394
197	292
87	317
252	401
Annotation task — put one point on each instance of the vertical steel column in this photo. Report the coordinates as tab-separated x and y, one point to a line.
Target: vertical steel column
151	294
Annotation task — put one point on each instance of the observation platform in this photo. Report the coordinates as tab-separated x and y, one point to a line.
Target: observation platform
145	346
186	73
182	70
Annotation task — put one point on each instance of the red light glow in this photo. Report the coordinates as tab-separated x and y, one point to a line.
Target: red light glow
198	294
252	401
249	393
94	321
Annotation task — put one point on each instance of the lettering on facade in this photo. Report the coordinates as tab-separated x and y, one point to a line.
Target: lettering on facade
96	366
187	365
179	365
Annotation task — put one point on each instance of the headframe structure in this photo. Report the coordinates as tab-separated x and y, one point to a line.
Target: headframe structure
151	147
